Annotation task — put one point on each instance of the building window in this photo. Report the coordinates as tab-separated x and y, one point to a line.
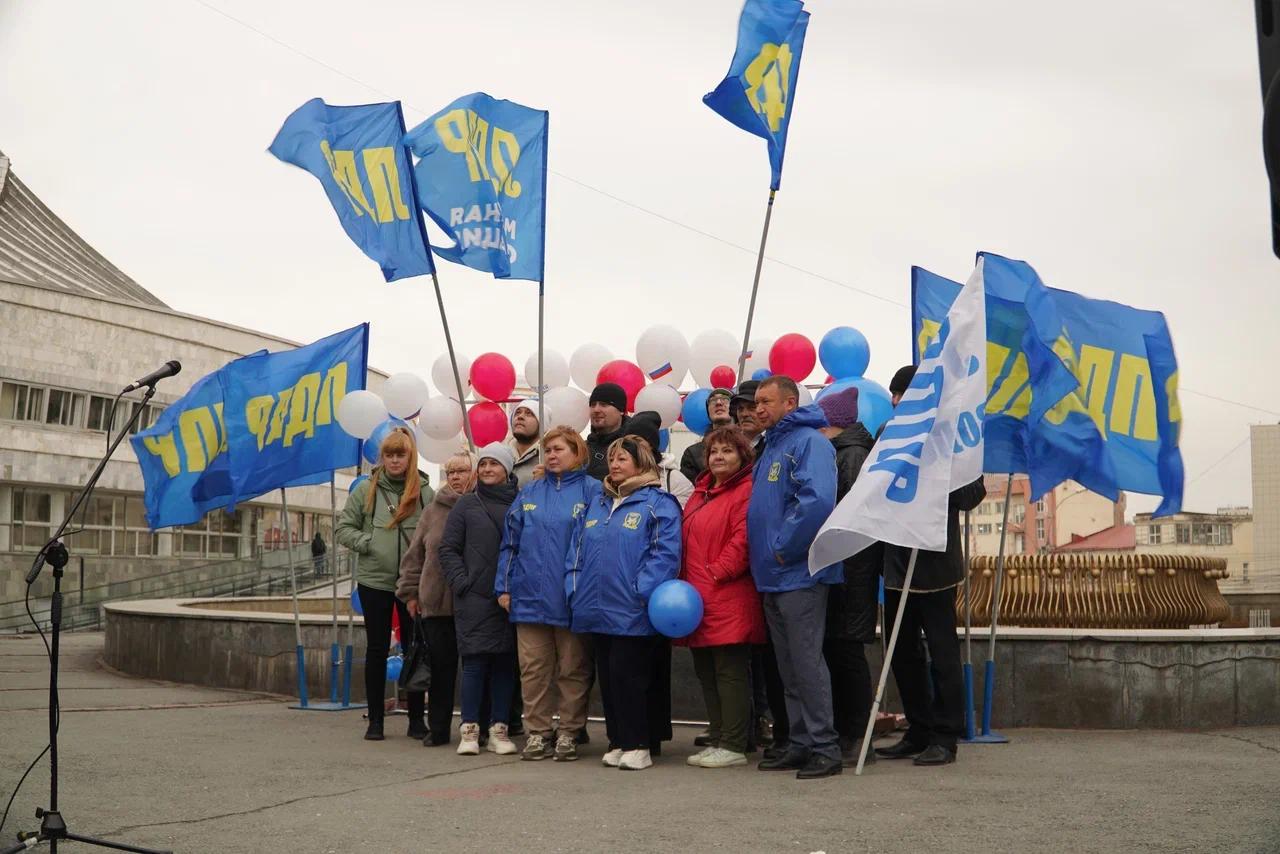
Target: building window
1040	541
99	412
1182	532
1019	513
21	402
1000	508
1040	506
1019	544
66	408
217	535
32	519
1153	534
148	417
984	528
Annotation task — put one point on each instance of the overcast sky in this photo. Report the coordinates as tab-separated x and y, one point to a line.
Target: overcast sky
1114	146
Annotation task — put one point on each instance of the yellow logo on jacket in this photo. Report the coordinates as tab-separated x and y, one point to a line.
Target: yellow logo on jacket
591	523
775	471
528	507
577	509
631	522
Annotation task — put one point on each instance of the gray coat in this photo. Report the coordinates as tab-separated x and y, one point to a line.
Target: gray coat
469	557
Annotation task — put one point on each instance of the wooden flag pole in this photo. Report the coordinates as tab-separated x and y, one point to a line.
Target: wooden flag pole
755	286
453	360
884	667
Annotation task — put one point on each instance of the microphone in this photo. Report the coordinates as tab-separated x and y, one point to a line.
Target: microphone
169	369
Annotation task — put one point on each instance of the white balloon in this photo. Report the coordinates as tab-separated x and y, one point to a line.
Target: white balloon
440	418
662	347
404	394
662	399
360	412
805	397
758	359
586	362
566	406
710	350
555	370
440	450
442	375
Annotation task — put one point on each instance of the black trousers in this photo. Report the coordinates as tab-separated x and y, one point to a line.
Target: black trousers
937	716
777	698
850	685
630	670
377	606
442	650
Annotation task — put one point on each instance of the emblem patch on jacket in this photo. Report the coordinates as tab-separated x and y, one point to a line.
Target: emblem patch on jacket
577	509
591	523
631	522
527	507
774	471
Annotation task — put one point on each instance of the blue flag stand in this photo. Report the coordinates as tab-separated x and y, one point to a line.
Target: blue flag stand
339	664
969	731
989	669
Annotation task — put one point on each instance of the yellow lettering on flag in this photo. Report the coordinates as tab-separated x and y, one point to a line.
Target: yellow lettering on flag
256	414
384	177
302	406
342	165
167	450
770	71
199	434
1133	413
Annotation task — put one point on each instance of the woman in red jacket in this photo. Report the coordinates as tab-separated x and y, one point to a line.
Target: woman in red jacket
715	562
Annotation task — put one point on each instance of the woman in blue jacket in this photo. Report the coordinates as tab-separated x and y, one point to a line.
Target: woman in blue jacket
627	544
555	663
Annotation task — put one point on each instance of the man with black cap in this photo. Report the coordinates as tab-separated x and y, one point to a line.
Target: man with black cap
694	460
742	409
608	404
935	717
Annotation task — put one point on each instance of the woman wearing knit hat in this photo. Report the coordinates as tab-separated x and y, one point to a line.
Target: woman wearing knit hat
646	425
626	544
469	557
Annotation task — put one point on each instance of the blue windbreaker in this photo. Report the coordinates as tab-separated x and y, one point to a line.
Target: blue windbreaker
539	531
619	557
793	491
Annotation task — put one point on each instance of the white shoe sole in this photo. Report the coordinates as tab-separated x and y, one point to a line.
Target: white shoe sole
469	749
731	764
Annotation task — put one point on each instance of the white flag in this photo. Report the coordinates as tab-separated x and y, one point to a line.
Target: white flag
932	445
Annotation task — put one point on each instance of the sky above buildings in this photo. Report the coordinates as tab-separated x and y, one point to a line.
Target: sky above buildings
1113	146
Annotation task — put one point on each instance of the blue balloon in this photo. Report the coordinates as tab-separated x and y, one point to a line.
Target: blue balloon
844	353
355	602
359	480
761	374
373	445
874	406
664	440
694	411
675	608
394	665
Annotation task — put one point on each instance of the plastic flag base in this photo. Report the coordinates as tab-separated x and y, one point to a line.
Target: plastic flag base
327	707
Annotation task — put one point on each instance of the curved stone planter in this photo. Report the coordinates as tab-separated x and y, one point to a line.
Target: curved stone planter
1069	678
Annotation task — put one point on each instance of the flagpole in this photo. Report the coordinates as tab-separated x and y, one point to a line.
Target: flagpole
334	656
755	285
453	360
297	617
884	667
989	669
968	640
542	426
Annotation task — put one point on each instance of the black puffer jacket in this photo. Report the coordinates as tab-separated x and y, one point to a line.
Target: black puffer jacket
851	606
693	461
935	570
598	445
469	558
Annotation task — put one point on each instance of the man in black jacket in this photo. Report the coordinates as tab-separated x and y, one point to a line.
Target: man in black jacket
851	606
936	722
608	404
693	461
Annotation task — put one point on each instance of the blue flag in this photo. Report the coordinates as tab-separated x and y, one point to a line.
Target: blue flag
482	177
281	411
1115	428
356	153
186	469
760	88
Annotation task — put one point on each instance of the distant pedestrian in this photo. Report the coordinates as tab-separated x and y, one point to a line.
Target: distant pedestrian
318	549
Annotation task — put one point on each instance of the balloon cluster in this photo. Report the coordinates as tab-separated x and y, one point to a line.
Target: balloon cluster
663	358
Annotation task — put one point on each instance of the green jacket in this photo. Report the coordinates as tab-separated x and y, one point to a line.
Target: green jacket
366	534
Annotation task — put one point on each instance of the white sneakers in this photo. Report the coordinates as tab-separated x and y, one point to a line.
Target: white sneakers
611	759
696	759
470	744
718	757
635	760
499	742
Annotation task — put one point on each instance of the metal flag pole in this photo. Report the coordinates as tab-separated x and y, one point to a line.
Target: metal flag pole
453	360
348	653
884	667
968	640
297	617
989	670
542	425
334	704
755	286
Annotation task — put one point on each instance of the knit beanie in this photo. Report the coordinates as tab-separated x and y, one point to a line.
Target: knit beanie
841	408
530	403
902	379
718	392
499	453
611	394
646	425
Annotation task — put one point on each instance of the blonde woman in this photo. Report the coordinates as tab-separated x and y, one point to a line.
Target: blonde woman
377	523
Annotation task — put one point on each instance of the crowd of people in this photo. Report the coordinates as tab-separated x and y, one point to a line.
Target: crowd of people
534	563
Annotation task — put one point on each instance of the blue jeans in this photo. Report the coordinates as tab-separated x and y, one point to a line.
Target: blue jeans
498	670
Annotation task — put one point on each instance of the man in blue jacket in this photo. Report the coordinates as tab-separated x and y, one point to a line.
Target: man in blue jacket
793	492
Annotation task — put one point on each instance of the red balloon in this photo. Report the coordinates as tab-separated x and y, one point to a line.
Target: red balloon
794	356
488	423
722	376
626	374
493	376
829	380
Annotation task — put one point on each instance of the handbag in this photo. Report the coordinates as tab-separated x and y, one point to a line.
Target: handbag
415	675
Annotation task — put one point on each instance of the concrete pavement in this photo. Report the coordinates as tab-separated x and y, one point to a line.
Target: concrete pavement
197	769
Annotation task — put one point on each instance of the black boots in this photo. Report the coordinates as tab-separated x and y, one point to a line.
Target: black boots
374	732
417	729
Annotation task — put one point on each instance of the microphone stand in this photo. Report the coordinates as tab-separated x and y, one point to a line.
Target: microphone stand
54	553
